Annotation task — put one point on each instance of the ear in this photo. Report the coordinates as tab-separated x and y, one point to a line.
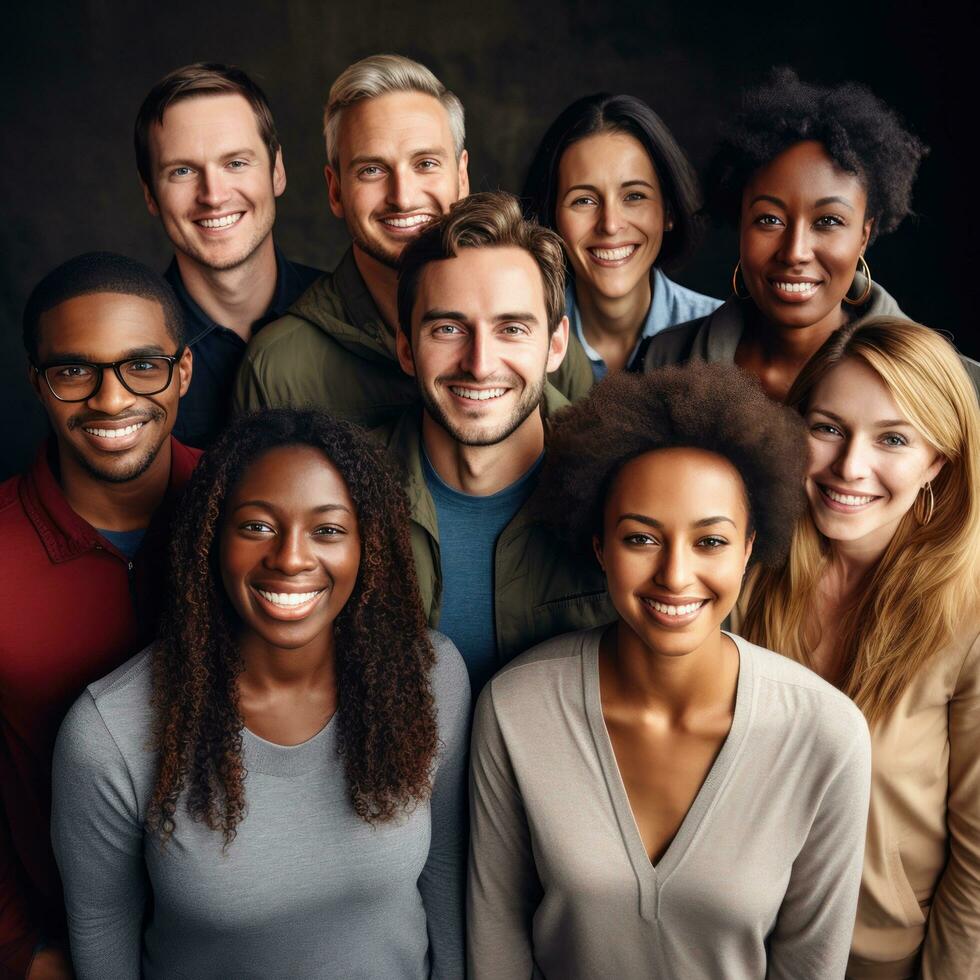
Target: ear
333	191
34	379
464	176
151	204
278	174
185	368
937	464
597	551
749	544
558	345
404	351
866	235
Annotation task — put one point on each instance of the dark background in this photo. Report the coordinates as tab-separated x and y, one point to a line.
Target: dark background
72	77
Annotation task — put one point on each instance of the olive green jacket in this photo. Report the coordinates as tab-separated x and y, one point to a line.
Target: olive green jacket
540	589
332	350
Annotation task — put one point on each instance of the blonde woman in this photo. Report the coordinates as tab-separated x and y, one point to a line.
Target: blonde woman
879	595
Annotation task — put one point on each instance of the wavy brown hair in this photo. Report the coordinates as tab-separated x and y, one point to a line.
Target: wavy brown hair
387	735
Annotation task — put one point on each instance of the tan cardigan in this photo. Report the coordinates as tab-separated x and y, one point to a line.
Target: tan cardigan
920	889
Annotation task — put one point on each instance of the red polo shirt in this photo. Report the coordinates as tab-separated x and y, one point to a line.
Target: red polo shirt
72	608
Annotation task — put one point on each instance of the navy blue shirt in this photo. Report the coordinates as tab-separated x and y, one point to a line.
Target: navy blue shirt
218	351
468	530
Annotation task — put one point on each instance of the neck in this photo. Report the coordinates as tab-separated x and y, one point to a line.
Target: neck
382	283
235	297
704	678
794	346
852	561
125	506
270	669
483	470
619	318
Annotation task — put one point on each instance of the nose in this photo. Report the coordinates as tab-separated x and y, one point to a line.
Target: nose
401	189
478	359
795	245
674	571
112	398
212	187
610	217
292	554
853	462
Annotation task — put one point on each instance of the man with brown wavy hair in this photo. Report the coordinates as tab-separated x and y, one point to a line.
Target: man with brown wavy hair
481	313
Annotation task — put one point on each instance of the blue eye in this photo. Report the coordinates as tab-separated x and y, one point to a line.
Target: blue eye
894	440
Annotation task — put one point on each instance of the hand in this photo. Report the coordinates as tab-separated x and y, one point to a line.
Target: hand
50	963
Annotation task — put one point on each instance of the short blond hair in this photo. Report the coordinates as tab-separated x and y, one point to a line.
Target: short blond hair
378	75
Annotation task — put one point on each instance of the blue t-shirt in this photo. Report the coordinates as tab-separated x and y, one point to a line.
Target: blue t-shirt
127	542
468	530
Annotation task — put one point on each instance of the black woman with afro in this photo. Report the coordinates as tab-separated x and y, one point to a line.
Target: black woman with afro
810	176
657	798
275	788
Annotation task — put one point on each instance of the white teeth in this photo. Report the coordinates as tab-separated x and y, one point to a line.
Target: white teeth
226	222
796	287
287	598
662	607
114	433
477	394
847	498
410	222
613	254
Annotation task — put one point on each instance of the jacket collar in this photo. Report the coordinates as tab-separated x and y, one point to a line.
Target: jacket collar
63	533
359	303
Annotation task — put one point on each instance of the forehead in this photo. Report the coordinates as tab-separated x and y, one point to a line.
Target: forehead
205	125
612	155
805	170
293	477
678	486
393	125
852	390
103	326
483	282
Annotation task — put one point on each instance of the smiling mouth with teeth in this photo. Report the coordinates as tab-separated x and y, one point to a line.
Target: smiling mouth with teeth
226	221
411	221
669	610
848	499
113	433
478	394
288	600
613	254
796	288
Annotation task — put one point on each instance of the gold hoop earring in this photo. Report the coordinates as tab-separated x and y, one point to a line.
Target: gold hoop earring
738	295
866	272
924	502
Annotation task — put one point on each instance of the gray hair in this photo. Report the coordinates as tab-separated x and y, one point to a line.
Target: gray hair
378	75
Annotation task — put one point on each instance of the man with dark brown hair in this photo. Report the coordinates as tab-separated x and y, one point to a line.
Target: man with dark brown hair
211	167
480	302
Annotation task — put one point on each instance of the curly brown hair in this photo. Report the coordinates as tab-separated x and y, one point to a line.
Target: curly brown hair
387	730
715	407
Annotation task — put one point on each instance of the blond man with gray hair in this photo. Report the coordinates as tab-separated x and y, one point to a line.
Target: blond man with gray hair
396	162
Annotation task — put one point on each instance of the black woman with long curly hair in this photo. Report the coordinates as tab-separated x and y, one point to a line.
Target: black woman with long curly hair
276	787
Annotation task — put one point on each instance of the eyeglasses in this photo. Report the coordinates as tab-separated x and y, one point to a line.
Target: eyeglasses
76	381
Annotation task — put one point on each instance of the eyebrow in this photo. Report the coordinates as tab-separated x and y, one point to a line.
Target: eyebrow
625	183
322	509
151	350
523	317
822	202
882	423
185	161
653	522
361	159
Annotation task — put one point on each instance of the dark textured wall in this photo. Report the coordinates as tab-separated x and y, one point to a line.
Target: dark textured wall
73	75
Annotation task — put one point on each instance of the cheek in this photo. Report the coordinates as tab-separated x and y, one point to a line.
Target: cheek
822	455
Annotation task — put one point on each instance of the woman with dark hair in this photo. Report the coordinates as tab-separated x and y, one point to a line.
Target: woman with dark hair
658	798
880	594
275	788
610	178
810	176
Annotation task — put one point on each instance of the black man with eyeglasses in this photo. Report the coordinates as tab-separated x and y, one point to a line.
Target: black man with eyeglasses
83	559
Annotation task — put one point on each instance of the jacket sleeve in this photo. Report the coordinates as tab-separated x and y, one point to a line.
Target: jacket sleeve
18	935
952	946
815	925
97	835
249	394
574	377
503	890
442	884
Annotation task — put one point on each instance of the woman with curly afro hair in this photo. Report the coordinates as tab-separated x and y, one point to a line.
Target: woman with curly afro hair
276	787
810	176
657	798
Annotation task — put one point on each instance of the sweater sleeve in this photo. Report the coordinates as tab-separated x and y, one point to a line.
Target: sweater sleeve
442	882
952	946
503	889
812	936
97	835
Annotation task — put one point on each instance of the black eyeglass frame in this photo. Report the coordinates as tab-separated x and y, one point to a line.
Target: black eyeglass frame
116	366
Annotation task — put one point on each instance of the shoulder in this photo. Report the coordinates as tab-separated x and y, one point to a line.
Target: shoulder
450	679
671	346
691	305
286	333
544	667
11	509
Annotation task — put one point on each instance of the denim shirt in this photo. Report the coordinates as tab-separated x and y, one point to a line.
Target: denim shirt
671	304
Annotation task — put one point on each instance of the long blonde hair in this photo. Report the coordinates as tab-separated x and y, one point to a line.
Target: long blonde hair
927	579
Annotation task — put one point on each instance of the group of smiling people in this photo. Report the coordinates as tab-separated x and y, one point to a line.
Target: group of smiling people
534	615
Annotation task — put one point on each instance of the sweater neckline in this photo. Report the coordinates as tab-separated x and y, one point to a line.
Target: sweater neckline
273	759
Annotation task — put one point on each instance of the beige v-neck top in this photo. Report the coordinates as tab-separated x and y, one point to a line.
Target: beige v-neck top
761	879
